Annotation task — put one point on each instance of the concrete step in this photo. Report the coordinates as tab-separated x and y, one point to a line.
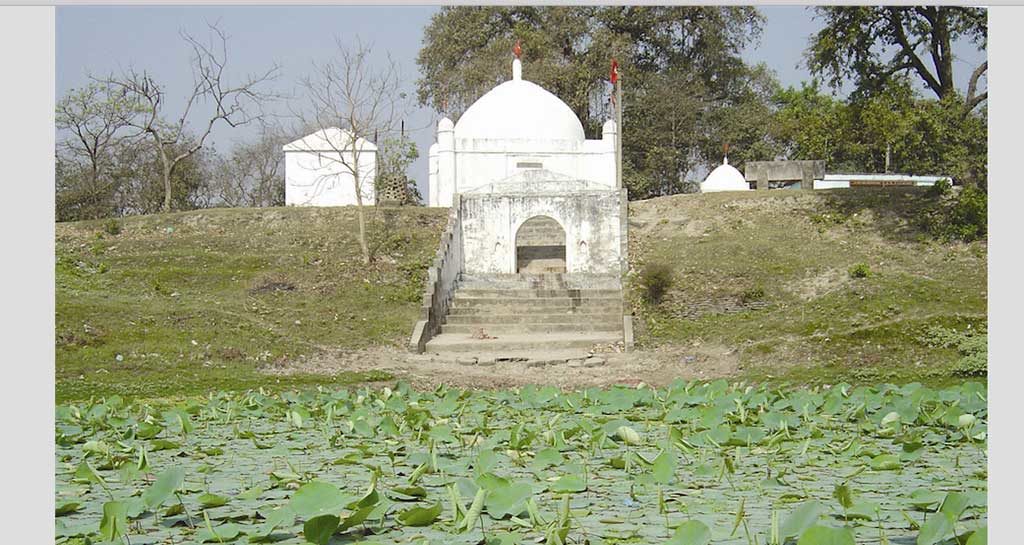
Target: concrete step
536	293
549	318
500	328
542	281
457	343
534	309
525	304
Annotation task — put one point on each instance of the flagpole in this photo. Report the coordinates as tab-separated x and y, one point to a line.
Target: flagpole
618	132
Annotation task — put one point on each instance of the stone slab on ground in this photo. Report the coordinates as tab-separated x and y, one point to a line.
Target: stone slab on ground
461	343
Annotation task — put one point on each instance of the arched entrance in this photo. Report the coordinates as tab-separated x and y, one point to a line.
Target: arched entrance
540	246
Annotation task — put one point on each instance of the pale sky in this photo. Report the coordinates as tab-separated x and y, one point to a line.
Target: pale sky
100	39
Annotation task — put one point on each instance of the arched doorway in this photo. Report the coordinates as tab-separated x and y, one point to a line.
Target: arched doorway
540	246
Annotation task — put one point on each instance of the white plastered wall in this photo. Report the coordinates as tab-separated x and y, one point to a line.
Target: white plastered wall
319	178
464	164
591	221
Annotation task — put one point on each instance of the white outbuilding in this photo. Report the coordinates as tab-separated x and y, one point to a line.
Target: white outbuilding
319	168
725	177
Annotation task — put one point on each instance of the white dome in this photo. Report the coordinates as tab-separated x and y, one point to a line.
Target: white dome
725	177
519	109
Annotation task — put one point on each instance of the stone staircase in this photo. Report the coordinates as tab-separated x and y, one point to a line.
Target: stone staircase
529	313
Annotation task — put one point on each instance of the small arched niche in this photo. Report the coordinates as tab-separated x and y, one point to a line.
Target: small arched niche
540	246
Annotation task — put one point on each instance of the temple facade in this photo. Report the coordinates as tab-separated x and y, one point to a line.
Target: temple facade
535	247
533	195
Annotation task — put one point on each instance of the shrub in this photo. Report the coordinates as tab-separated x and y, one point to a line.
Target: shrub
968	218
940	189
753	294
860	270
937	336
655	281
974	352
971	344
112	227
960	217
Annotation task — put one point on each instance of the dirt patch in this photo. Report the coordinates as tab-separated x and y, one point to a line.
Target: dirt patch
568	371
817	285
271	285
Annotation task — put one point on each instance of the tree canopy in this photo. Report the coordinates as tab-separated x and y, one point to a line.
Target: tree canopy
872	45
680	65
893	130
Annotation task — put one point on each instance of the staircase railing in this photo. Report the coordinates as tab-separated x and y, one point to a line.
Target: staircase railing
442	277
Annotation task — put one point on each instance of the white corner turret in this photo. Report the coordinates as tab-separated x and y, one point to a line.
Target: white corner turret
609	130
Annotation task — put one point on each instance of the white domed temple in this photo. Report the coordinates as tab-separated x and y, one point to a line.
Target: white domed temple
724	177
537	228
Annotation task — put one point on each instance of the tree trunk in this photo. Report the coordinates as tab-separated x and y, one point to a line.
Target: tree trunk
359	205
167	179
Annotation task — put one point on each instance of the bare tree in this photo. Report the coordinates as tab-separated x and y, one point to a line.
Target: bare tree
362	99
93	121
253	175
233	104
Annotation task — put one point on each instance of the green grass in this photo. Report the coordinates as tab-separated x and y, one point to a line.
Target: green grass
768	275
187	300
180	304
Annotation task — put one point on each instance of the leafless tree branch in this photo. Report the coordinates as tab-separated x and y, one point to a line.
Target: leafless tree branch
233	104
363	99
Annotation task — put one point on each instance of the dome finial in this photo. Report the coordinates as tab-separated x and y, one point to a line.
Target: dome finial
725	153
517	64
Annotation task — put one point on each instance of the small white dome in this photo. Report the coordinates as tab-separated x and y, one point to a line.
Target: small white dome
725	177
519	109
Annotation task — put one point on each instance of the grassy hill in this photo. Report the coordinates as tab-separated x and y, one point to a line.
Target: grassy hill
810	286
204	299
174	304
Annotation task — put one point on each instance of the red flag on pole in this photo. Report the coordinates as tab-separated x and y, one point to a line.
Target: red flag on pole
615	71
517	49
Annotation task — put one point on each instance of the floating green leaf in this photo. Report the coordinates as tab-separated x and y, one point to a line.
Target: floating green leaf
420	516
691	532
317	498
885	462
67	508
565	483
978	537
208	500
825	535
166	484
319	529
935	529
802	518
114	523
222	533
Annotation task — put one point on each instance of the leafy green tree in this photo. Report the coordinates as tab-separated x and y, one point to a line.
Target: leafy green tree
871	45
894	128
681	68
812	125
